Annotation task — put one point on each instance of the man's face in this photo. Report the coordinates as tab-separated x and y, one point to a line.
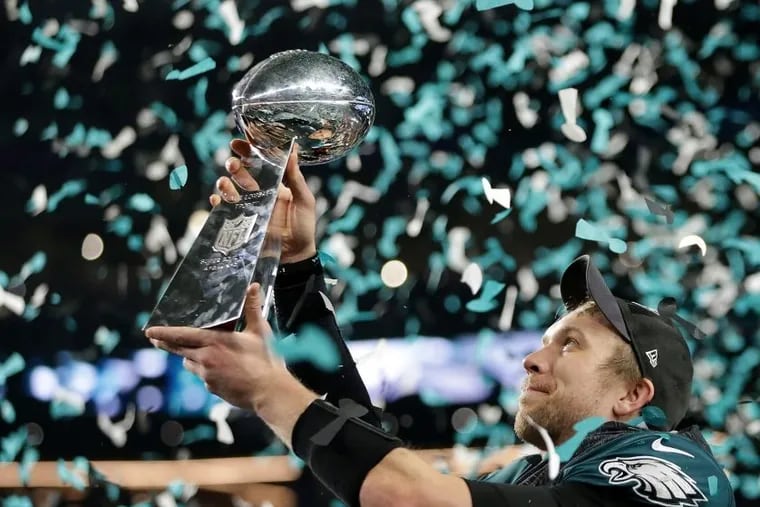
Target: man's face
565	382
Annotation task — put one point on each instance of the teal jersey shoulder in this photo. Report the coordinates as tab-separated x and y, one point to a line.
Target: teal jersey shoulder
651	468
507	474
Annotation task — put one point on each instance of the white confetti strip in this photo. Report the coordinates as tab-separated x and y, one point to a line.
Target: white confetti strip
39	198
473	277
508	310
568	66
456	258
502	196
568	98
525	115
123	139
130	5
158	238
414	227
117	431
551	452
229	13
693	240
665	14
218	414
429	11
354	190
12	302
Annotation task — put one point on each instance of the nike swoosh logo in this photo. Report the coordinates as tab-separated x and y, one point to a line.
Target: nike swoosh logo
658	446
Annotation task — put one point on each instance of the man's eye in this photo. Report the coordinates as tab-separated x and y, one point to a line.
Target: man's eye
570	341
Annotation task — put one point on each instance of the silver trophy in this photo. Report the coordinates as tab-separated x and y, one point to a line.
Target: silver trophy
296	96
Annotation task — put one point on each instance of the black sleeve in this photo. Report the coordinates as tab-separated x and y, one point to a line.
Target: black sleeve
570	494
299	299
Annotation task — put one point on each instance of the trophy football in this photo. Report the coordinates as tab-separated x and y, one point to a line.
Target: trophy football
296	96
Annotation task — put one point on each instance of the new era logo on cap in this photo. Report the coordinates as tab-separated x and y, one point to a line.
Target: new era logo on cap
652	355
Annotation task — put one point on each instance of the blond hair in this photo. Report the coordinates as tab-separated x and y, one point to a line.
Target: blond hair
622	362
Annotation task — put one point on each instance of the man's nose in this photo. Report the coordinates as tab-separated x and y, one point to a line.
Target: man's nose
537	362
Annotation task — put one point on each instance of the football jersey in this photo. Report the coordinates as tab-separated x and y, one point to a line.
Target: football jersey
643	467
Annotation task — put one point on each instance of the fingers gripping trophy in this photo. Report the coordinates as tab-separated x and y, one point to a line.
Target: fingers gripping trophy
293	98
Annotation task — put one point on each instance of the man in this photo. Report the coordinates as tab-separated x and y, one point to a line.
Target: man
608	386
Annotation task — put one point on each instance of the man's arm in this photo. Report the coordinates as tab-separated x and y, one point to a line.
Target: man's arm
394	475
300	299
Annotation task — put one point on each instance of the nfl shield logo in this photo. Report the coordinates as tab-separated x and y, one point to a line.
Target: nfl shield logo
234	233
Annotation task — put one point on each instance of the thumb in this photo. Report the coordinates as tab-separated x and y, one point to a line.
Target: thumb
254	320
294	178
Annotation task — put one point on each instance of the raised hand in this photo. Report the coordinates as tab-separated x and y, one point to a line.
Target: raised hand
294	215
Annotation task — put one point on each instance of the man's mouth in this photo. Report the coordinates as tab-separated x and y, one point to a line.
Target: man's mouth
538	388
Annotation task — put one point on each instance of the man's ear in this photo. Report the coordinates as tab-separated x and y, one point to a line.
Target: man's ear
630	404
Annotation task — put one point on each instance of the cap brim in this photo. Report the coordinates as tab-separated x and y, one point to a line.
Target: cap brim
581	281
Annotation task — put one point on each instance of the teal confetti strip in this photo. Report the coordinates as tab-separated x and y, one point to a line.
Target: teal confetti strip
392	229
199	97
582	428
68	189
61	99
176	488
30	457
24	13
486	302
121	225
61	409
17	501
64	43
167	114
309	344
347	222
586	230
712	484
178	177
70	475
13	364
20	126
203	432
7	412
501	216
604	121
204	65
141	202
50	132
12	444
483	5
106	339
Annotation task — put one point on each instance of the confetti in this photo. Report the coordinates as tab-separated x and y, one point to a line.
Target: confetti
568	98
309	344
486	301
586	230
553	457
483	5
473	277
218	414
204	65
11	366
501	196
117	431
693	240
178	177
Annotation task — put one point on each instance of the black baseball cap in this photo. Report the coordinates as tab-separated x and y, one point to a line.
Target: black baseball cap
660	349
